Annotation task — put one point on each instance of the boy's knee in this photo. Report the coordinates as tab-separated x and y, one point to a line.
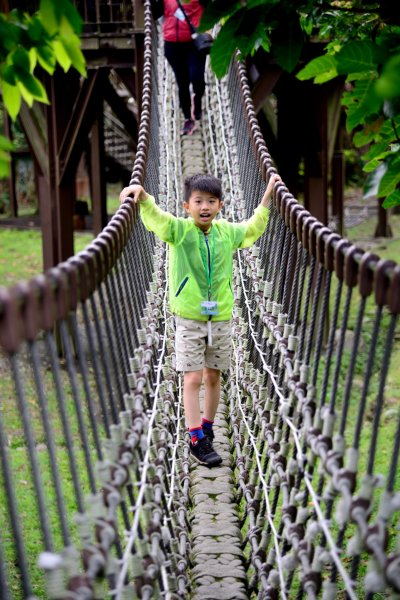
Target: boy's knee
193	378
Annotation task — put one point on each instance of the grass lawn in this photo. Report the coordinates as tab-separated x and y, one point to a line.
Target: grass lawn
21	253
363	236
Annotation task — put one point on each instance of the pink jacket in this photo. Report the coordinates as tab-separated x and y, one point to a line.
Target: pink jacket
175	30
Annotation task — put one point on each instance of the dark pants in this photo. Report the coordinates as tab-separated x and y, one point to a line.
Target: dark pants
188	66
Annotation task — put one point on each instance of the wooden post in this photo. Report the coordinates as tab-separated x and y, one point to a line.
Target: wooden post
47	223
383	228
11	177
98	190
59	198
316	159
338	173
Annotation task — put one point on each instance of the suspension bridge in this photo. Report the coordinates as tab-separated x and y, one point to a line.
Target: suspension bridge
99	498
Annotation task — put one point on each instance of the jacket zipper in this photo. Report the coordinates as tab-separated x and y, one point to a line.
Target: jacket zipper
180	288
209	260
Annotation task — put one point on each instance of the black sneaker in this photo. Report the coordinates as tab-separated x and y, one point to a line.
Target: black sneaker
188	127
208	432
204	453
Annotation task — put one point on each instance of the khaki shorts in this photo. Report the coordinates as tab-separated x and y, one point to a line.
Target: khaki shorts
192	349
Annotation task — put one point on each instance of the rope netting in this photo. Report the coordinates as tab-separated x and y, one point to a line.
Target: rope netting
95	477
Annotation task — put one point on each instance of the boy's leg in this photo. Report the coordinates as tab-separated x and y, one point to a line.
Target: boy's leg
217	359
190	339
200	444
212	392
191	388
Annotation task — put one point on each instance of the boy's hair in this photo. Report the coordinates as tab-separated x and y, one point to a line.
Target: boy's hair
202	183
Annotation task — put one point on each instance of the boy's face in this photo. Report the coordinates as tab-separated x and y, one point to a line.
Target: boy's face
203	208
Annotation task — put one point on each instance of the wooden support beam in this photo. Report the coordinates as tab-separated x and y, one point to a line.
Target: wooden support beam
47	222
383	228
128	78
121	110
11	177
98	179
138	14
316	157
80	123
338	173
57	199
34	127
265	85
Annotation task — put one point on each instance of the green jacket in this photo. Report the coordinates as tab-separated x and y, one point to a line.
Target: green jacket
190	259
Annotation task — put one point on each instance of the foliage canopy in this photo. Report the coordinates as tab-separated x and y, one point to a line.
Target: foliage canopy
359	41
46	38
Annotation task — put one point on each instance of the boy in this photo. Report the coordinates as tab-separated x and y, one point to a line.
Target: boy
200	291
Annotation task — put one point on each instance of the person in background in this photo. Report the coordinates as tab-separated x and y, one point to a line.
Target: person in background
187	63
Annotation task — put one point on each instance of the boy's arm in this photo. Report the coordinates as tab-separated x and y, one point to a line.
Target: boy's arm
162	223
255	226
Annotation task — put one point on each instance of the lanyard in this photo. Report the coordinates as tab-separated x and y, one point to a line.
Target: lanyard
209	269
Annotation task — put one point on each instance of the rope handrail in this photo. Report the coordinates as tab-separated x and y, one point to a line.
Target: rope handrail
381	276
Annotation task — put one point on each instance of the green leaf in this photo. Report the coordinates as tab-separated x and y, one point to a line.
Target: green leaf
287	49
216	10
69	12
361	102
392	200
36	32
48	16
6	144
388	84
306	23
65	29
25	94
11	99
357	56
225	45
60	16
61	55
20	59
32	86
46	58
375	162
375	150
9	33
74	53
370	132
8	75
317	67
32	59
390	179
5	160
388	128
